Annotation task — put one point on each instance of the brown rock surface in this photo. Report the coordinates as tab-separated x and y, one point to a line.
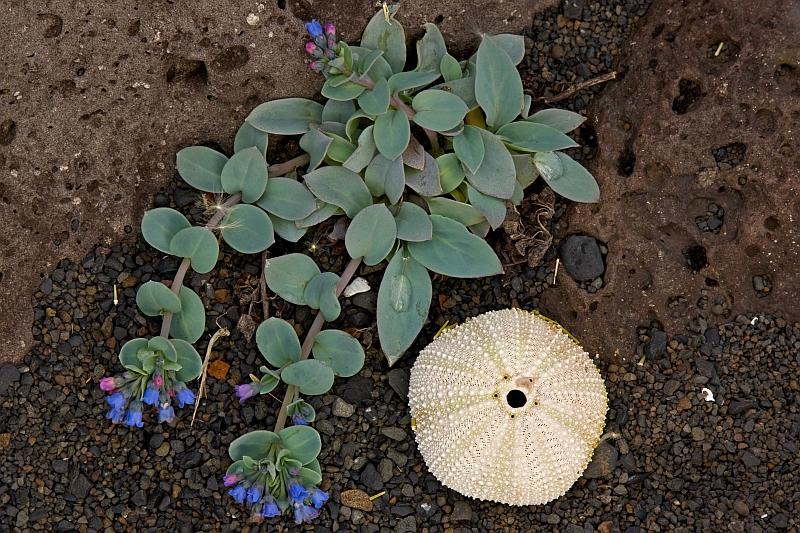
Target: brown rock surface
98	96
689	125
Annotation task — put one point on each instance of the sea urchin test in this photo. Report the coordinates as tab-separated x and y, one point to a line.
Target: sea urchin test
507	407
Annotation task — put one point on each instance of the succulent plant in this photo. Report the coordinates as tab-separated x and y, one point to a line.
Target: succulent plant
507	407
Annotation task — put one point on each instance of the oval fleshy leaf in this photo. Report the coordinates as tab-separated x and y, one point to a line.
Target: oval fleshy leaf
154	299
190	323
404	298
287	198
160	225
371	234
288	116
201	167
560	119
288	275
320	294
340	351
392	133
341	187
189	359
438	110
278	342
246	172
413	223
309	376
247	229
534	137
303	443
498	86
199	245
497	174
455	252
387	36
469	148
255	445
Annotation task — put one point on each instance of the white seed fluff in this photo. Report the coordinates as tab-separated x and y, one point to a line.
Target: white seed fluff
465	393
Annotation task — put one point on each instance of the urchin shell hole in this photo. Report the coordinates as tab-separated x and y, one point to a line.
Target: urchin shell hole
516	398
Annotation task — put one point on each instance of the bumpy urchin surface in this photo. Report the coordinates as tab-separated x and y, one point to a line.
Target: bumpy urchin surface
507	408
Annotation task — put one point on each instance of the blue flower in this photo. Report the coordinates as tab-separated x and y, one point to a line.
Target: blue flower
304	513
238	493
318	497
115	415
133	418
117	401
299	420
150	396
297	492
270	509
166	413
184	397
314	28
253	494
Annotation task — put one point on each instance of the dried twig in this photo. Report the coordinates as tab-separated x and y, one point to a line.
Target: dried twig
220	333
263	284
579	87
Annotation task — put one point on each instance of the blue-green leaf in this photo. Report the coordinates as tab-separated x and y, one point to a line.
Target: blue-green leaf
288	199
455	252
248	137
288	275
469	148
154	299
559	119
460	211
438	110
512	44
336	111
341	187
575	182
387	36
451	173
278	342
340	351
404	298
426	181
288	116
492	208
363	154
201	167
527	136
309	376
526	171
386	176
164	346
128	354
322	213
302	442
245	172
450	68
392	133
403	81
160	225
497	174
413	223
287	230
190	323
430	49
376	100
189	359
199	244
247	229
464	88
498	86
549	165
255	445
316	144
320	293
371	234
344	92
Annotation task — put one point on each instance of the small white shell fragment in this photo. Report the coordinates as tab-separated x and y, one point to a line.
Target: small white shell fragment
252	19
356	286
507	407
709	396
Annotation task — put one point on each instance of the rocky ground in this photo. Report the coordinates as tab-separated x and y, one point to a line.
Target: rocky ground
674	459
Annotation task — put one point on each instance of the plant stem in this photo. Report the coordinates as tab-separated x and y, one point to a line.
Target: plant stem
278	169
308	342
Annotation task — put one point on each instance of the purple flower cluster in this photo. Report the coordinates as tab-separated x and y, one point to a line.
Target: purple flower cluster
322	46
130	392
304	502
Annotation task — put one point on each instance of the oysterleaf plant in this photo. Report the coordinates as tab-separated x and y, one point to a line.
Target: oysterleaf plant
423	163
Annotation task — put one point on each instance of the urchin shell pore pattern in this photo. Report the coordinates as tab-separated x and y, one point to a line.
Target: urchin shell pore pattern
507	408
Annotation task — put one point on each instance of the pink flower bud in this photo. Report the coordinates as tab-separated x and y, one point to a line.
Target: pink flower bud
330	29
230	479
108	384
158	381
311	48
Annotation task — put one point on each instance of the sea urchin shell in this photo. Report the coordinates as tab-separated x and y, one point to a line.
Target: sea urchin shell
507	407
